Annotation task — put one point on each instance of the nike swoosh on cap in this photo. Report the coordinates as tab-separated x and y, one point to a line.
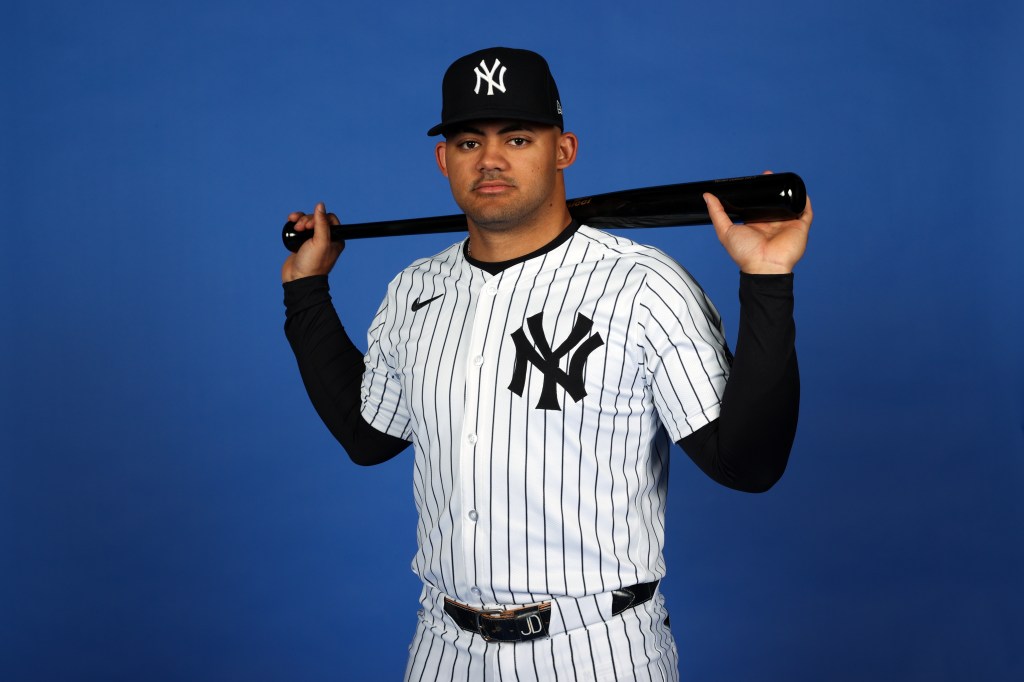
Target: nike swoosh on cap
417	304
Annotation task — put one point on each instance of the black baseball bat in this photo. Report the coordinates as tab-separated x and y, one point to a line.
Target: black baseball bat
754	198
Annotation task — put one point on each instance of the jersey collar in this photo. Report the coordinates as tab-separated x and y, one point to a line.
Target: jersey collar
495	268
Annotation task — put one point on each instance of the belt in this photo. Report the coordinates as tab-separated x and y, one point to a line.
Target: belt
531	622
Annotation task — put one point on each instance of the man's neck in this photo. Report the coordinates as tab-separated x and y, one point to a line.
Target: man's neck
495	267
497	245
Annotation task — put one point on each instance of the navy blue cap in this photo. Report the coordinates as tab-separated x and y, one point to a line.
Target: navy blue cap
499	82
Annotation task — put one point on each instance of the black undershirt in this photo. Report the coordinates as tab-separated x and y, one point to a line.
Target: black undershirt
746	448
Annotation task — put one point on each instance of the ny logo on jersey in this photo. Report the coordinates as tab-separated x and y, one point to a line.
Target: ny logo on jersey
546	360
488	75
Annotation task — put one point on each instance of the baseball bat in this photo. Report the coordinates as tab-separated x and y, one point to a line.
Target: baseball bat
754	198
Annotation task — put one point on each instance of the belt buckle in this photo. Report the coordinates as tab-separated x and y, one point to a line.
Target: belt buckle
480	624
526	622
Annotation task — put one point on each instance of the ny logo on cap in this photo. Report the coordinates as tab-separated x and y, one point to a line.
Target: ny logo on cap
488	75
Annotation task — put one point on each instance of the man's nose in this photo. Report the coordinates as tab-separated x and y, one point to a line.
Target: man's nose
492	156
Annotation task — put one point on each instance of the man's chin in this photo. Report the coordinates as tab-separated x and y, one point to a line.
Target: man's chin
495	220
500	214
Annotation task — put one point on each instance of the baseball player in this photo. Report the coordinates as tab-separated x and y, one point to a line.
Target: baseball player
541	369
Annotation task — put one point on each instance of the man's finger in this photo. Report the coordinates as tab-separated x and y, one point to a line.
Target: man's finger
337	246
321	228
808	215
719	218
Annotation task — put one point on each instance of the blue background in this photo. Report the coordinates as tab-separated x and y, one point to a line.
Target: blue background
172	509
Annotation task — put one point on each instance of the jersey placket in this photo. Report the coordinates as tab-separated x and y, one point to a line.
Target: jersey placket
474	455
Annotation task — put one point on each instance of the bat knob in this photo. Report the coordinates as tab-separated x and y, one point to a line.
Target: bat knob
294	240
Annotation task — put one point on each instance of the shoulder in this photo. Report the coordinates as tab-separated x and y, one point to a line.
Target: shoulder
415	278
448	260
654	265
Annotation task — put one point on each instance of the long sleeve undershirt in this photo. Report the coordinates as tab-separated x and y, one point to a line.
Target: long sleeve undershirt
746	448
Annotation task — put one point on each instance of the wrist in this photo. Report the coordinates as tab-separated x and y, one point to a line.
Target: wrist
291	274
766	269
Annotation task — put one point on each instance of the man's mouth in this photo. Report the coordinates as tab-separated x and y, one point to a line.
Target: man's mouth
492	186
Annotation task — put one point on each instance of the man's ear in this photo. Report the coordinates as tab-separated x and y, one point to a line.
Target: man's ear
439	152
567	146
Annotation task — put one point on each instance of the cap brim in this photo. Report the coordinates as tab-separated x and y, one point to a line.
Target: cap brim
495	114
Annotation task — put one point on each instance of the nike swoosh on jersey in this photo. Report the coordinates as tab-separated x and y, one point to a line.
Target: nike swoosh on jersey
417	304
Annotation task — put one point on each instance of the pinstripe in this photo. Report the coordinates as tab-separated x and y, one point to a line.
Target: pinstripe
544	468
574	498
590	653
625	473
561	496
530	595
710	320
656	320
508	444
452	392
433	505
427	348
597	461
611	434
675	391
449	463
422	663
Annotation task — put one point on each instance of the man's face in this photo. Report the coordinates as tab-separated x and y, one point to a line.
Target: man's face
504	174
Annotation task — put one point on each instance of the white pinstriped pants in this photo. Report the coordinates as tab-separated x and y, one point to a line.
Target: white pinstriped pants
586	643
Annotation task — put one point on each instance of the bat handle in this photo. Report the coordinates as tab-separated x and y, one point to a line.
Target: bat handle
293	240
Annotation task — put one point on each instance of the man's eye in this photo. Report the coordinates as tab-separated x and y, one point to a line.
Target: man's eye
518	141
469	144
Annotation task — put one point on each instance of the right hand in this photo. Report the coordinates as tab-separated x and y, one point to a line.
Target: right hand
762	248
318	255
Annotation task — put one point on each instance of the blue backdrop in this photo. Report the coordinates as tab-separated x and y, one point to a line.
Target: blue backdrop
172	509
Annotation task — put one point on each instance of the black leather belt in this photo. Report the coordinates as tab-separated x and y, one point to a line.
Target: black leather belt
628	597
531	622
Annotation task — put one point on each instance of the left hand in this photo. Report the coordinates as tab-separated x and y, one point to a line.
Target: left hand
762	248
317	255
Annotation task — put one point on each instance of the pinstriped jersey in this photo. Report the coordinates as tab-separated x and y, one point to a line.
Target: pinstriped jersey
541	402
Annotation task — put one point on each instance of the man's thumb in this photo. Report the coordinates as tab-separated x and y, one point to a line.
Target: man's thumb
321	229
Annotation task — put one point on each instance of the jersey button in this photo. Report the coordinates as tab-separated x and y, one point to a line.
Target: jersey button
473	516
491	290
476	590
471	438
478	360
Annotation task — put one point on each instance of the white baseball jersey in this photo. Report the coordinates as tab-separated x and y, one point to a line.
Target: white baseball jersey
536	400
541	402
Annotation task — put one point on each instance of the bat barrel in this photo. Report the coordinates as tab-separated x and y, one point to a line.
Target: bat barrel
779	196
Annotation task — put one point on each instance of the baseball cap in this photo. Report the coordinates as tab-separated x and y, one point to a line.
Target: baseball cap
499	82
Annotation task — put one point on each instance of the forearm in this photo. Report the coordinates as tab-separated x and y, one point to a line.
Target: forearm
747	447
332	367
